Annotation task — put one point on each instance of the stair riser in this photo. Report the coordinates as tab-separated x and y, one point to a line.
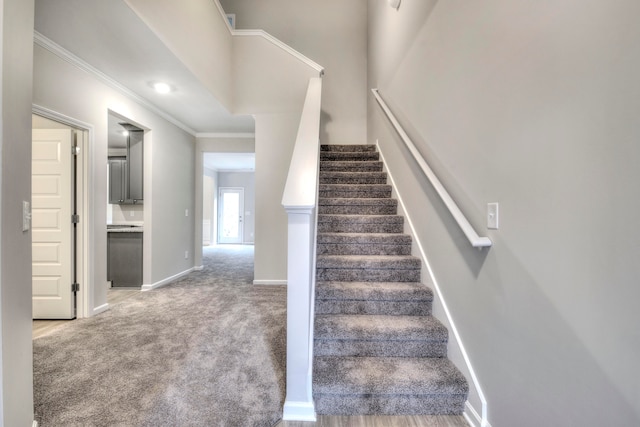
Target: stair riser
397	308
351	166
367	275
349	156
389	405
362	249
357	210
357	348
355	193
360	228
347	148
354	180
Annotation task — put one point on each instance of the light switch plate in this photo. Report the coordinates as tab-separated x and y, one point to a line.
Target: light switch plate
493	216
26	215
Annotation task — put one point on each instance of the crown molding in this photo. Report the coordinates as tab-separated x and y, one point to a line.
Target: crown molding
249	135
69	57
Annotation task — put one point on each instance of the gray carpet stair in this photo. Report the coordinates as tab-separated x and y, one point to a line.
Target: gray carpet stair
377	348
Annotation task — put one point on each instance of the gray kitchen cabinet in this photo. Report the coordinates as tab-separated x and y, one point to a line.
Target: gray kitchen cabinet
117	180
124	259
126	173
135	165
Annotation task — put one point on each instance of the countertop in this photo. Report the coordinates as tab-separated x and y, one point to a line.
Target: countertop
129	227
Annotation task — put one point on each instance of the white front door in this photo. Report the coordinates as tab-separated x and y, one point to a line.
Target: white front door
230	209
51	208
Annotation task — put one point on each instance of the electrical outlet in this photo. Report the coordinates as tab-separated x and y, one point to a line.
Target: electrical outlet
186	254
186	212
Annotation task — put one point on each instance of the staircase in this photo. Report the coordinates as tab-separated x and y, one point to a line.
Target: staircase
377	348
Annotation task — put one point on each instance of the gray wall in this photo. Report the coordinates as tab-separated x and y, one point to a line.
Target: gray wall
533	105
16	391
331	33
63	88
247	181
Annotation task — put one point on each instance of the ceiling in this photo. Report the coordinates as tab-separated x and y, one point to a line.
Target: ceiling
227	162
110	37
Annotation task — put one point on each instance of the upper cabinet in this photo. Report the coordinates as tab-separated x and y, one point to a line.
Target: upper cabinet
126	160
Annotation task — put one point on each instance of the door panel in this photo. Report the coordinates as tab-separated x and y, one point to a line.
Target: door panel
231	207
51	206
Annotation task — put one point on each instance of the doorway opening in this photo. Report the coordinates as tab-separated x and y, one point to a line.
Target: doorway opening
228	198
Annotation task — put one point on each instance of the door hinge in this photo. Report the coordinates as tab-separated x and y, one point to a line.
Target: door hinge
75	150
75	287
75	219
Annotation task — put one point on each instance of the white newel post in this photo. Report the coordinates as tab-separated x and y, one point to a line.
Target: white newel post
299	404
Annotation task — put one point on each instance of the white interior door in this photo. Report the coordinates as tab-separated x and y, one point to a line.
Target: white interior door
51	208
230	210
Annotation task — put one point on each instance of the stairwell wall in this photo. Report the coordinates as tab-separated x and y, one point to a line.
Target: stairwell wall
332	33
531	106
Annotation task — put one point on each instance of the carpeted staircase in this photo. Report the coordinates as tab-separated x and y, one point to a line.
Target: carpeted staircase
377	348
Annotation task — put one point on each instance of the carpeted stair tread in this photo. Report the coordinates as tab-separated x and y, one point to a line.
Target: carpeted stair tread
349	156
348	147
365	238
351	165
357	206
363	244
369	262
332	177
387	376
384	298
354	191
374	291
379	327
360	224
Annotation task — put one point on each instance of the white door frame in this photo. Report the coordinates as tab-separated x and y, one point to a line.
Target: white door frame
84	297
240	208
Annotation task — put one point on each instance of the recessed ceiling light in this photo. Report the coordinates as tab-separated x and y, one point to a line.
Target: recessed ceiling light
161	87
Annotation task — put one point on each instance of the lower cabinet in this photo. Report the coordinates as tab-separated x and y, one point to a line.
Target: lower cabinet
124	259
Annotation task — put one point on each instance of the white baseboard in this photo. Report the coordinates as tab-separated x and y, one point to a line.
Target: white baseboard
100	309
298	411
269	282
470	413
35	424
166	281
473	417
198	268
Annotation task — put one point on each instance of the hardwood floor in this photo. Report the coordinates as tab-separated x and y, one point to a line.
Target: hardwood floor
114	296
381	421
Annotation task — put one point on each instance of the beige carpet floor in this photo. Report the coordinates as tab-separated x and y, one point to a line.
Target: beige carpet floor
207	350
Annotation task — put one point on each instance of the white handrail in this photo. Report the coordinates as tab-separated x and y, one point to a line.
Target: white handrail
475	240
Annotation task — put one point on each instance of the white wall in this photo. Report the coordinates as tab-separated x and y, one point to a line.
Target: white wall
275	138
16	53
209	202
63	88
189	30
333	34
533	106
